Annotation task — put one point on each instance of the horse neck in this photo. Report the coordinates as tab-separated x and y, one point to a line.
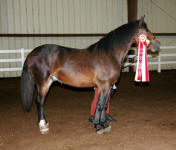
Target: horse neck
121	52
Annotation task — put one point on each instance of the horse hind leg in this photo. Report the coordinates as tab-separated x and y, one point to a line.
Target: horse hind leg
40	100
43	124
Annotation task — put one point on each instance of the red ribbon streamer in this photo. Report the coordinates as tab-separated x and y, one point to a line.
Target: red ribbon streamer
142	72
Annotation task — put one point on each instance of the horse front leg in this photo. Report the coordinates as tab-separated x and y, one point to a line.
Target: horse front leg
100	122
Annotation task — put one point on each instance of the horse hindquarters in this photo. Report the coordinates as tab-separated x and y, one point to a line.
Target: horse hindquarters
43	84
35	75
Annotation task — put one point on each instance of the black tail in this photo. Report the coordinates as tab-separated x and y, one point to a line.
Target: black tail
27	87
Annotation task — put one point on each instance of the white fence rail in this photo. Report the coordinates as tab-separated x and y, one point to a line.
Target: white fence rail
22	52
21	59
159	61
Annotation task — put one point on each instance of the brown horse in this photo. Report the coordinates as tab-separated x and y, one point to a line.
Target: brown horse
98	65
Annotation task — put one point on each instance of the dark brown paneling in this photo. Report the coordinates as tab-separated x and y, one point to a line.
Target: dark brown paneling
72	35
52	35
132	16
132	10
164	34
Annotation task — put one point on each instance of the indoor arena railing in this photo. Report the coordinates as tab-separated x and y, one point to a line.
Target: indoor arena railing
24	52
159	61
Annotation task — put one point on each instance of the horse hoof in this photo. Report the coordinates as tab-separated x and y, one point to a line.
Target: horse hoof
44	127
104	130
107	129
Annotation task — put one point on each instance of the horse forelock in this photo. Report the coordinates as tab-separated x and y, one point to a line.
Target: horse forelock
116	38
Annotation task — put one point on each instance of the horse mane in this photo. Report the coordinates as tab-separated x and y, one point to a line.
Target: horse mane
116	38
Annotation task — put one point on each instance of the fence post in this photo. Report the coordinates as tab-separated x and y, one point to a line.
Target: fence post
22	57
159	64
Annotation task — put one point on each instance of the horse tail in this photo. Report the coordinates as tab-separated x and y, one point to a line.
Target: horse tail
27	87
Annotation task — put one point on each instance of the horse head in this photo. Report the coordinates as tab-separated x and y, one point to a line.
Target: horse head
154	44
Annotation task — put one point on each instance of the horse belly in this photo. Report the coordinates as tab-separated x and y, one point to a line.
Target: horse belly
76	79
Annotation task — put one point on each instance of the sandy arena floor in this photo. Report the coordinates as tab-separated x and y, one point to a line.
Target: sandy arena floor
146	117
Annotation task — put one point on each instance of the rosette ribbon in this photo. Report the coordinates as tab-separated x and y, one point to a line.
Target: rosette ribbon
142	72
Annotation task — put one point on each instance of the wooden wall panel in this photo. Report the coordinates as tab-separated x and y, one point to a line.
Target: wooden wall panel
57	16
160	14
160	18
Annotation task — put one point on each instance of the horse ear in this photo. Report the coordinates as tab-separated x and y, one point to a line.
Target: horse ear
141	20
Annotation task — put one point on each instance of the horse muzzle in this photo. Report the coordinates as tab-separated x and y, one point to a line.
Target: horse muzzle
154	47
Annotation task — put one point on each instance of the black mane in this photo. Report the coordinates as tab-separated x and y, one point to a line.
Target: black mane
117	37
